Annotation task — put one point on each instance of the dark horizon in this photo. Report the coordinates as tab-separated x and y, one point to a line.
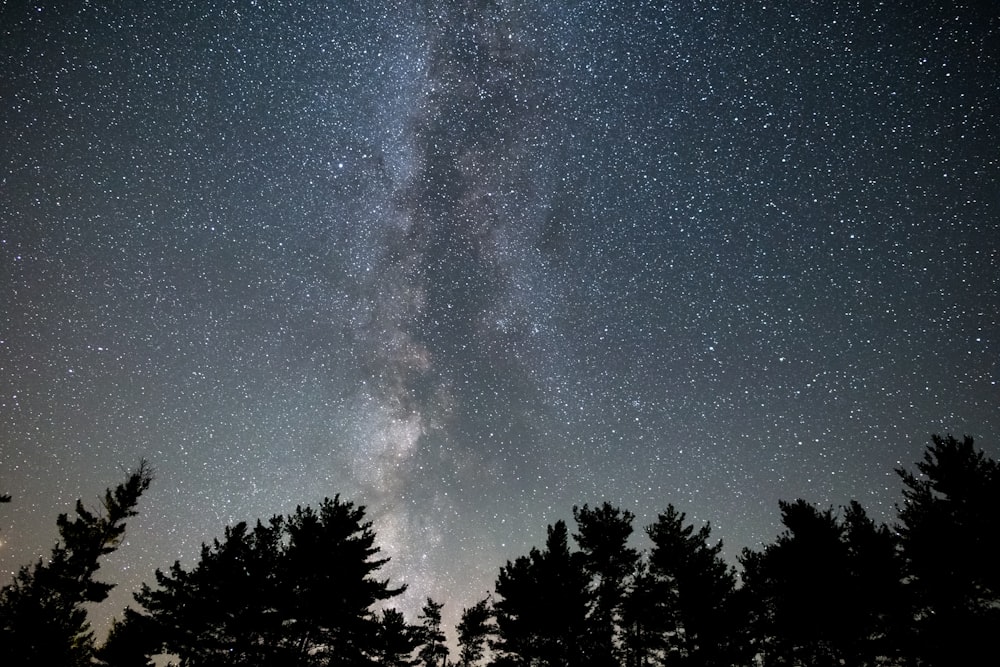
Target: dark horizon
307	588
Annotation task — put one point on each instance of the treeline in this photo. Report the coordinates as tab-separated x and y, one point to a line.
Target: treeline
834	588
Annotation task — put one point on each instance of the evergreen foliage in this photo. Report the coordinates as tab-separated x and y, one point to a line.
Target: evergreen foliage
834	588
474	631
949	527
433	651
541	606
298	590
801	586
609	563
692	584
396	640
43	618
827	591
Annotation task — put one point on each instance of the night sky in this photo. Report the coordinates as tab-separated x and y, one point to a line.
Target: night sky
472	263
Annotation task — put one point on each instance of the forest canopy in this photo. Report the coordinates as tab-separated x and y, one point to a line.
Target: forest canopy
833	588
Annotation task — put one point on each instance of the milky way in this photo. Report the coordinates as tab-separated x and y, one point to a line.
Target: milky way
470	264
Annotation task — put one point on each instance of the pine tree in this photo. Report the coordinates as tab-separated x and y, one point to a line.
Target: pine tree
828	591
541	606
694	584
949	526
801	583
397	640
433	651
299	590
645	618
43	618
130	642
878	602
608	561
474	631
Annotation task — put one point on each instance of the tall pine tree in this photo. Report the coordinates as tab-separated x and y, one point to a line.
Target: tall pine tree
949	526
300	590
694	584
602	536
474	631
541	606
433	651
43	617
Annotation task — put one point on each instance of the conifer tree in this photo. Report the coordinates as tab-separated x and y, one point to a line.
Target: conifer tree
541	606
474	630
433	651
827	591
644	618
949	526
608	561
693	584
801	586
43	618
396	640
299	590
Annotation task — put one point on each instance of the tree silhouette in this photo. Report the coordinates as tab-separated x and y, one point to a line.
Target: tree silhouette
330	561
222	611
949	528
296	591
609	562
43	619
517	612
801	584
541	606
433	651
878	602
693	584
644	618
396	640
474	631
130	642
302	590
827	591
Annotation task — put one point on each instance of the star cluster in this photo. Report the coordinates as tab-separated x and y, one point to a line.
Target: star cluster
470	264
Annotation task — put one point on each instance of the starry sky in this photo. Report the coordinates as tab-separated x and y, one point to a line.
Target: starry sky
472	263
